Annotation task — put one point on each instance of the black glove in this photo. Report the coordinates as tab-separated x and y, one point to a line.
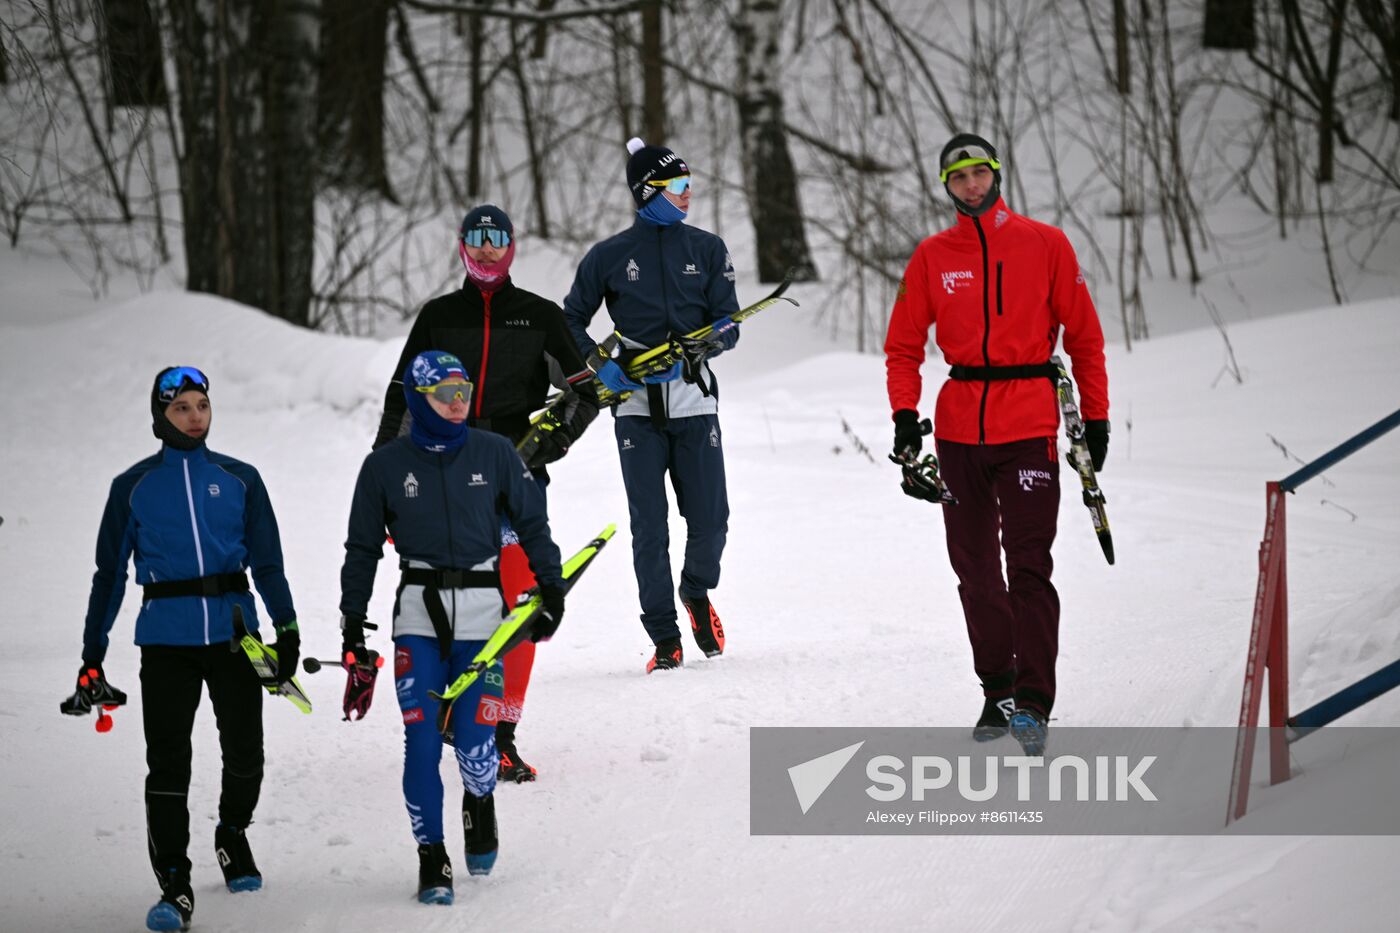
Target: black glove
1096	438
288	648
547	622
92	690
577	415
694	352
908	432
352	638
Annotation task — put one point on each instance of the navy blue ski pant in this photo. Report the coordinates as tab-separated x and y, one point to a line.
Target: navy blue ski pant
689	450
1008	501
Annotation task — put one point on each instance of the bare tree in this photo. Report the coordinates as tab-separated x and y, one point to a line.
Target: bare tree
1229	24
247	91
770	179
1385	26
136	74
653	74
350	94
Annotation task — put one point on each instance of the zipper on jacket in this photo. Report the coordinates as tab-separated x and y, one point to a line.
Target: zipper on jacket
198	551
451	551
485	348
665	306
986	330
998	288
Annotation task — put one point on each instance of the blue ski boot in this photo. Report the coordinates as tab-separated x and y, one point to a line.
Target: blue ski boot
1028	727
479	826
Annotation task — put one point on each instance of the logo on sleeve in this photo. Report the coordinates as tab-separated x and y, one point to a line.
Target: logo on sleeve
410	486
690	269
477	480
633	271
961	278
214	490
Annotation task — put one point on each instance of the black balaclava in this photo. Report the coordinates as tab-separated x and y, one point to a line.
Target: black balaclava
160	400
963	148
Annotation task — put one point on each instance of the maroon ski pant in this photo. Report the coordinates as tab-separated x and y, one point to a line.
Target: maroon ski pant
1008	500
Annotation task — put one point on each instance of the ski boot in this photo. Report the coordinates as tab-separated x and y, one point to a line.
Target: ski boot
434	874
993	722
479	827
667	657
705	625
176	905
1028	727
513	768
236	859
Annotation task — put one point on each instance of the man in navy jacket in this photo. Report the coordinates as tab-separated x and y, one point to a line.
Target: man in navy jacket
660	279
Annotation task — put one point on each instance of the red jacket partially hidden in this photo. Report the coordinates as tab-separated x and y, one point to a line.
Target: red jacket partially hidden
997	289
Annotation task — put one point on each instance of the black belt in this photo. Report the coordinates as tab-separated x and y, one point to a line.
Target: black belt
433	579
998	373
215	584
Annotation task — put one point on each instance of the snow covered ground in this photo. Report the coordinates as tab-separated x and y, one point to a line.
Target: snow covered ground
839	608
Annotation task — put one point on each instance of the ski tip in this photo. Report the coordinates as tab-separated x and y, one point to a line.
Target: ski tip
1106	541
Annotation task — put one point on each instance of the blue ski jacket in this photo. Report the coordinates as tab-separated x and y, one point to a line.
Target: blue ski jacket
184	515
658	282
443	510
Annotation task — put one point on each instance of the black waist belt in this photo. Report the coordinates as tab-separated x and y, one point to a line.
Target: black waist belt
215	584
998	373
433	579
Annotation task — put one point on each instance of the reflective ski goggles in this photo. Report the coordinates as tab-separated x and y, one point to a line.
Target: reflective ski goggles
677	186
480	236
963	156
448	392
176	379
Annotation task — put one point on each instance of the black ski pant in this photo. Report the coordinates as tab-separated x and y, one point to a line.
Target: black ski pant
1008	501
172	679
690	451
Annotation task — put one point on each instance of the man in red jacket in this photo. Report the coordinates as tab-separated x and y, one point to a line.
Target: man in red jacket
998	289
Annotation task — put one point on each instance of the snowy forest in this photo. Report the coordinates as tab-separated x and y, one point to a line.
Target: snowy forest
310	158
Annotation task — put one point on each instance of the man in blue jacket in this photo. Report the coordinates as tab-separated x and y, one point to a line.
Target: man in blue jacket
662	279
441	491
196	522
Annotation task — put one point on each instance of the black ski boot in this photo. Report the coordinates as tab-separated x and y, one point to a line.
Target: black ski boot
705	625
993	722
479	828
236	859
176	905
434	874
513	768
667	657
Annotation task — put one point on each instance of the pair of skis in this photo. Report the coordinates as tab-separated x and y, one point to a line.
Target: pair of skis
513	630
705	341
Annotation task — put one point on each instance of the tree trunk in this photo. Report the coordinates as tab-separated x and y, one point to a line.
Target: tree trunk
350	120
528	122
246	74
653	74
1229	24
4	64
770	180
134	62
1121	59
476	90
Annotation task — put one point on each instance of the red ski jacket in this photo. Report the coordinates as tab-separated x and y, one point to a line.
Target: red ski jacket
997	289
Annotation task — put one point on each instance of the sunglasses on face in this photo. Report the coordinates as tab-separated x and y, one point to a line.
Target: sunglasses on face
964	156
448	392
480	236
677	186
173	380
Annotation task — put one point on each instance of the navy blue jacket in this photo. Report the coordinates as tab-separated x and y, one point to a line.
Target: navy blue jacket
444	510
184	515
658	282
